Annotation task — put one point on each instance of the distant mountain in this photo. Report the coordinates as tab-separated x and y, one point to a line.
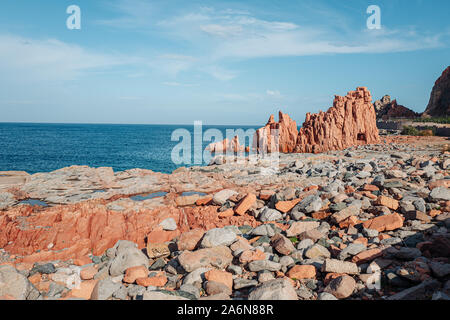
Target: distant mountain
439	105
386	109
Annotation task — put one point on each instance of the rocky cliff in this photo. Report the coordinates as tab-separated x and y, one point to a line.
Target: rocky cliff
351	121
439	105
284	133
386	109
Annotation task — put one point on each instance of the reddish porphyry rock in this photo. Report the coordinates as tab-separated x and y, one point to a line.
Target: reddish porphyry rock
189	240
302	272
220	276
207	218
77	228
387	202
157	281
387	222
161	236
285	129
74	231
88	273
245	204
439	104
84	291
133	273
367	255
250	255
286	206
226	146
350	122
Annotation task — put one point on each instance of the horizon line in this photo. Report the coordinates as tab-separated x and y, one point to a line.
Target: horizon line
141	124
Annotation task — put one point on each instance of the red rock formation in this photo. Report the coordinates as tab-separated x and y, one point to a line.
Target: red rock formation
226	145
73	231
350	122
439	105
282	134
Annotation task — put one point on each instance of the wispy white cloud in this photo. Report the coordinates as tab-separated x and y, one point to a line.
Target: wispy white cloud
235	35
273	93
216	36
28	59
220	73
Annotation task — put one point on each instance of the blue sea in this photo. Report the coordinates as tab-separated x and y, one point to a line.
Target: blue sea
38	147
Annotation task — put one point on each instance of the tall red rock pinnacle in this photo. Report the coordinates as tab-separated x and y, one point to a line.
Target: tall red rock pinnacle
282	133
351	121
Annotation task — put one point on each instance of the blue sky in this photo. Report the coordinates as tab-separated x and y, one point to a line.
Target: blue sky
222	62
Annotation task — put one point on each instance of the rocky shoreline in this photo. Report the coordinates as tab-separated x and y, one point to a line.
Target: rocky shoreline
367	222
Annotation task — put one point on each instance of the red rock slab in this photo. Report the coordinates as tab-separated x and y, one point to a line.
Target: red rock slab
350	221
35	278
82	261
157	281
220	276
227	213
362	240
133	273
207	218
433	213
204	201
24	232
368	194
251	255
320	215
384	223
79	250
286	206
302	272
367	255
387	202
161	236
246	203
88	273
190	239
85	290
445	183
266	194
370	187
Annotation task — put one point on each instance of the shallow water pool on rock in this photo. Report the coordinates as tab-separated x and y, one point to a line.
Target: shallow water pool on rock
191	193
148	196
34	202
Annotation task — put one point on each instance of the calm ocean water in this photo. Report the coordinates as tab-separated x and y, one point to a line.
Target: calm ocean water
34	147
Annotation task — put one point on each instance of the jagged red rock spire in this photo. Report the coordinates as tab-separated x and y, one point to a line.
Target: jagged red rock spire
351	121
285	129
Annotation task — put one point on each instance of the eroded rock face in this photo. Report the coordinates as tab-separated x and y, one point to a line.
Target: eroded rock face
350	122
439	104
286	131
386	109
226	146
